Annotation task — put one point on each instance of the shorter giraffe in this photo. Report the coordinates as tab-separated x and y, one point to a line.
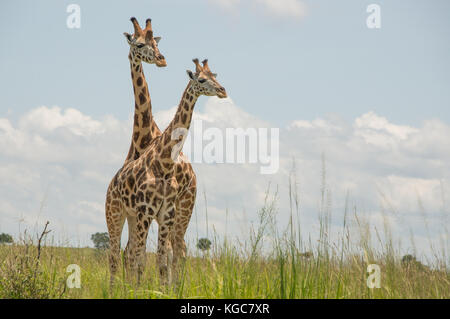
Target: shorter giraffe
147	188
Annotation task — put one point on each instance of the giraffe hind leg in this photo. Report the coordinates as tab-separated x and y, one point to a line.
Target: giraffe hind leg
115	221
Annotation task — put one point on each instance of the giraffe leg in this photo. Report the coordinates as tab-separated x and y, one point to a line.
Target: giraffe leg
141	256
130	250
184	207
165	254
115	220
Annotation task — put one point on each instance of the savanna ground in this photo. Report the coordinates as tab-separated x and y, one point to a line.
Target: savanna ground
270	264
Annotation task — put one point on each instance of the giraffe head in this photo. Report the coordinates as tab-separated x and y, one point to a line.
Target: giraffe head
143	45
204	82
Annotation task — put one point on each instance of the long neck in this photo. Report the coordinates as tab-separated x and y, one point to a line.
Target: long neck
144	126
172	138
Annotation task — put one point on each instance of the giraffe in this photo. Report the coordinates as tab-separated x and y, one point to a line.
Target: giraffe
149	187
143	47
145	129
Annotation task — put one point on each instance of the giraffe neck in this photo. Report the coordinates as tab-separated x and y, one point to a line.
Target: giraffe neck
144	126
172	137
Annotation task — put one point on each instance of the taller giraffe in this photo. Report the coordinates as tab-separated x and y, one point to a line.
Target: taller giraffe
143	47
148	188
145	129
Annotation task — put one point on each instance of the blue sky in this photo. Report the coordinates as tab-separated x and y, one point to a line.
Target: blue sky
278	67
374	102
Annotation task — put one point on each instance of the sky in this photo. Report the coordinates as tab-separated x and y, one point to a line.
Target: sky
374	103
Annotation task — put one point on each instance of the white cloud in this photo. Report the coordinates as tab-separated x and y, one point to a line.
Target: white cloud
278	8
283	8
44	119
67	158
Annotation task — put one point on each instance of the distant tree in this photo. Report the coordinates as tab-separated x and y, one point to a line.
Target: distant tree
101	240
409	261
204	244
5	238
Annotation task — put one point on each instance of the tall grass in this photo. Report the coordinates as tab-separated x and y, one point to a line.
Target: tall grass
273	263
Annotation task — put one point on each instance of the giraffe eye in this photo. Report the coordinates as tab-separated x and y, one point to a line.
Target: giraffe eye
140	45
202	80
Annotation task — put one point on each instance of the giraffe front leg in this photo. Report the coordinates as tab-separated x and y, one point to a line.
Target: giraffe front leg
141	257
165	253
131	249
184	208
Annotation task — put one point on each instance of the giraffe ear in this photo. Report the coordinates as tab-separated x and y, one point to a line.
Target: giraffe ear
157	39
128	37
191	75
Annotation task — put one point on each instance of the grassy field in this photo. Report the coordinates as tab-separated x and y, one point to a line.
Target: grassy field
269	264
223	272
224	275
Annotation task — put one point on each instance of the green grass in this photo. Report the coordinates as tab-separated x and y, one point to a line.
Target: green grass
269	264
222	273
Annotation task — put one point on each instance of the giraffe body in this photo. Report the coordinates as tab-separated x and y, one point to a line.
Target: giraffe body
159	186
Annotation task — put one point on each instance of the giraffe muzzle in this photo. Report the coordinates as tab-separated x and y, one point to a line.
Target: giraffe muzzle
221	93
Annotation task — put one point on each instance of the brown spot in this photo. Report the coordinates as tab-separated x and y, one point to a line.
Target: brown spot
131	181
145	119
141	210
136	119
142	98
145	140
136	136
186	204
166	139
166	152
133	200
139	81
186	106
184	118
